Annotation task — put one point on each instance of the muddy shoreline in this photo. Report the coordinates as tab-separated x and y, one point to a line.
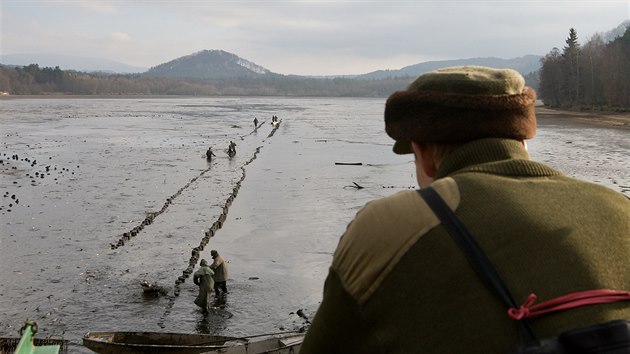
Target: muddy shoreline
596	118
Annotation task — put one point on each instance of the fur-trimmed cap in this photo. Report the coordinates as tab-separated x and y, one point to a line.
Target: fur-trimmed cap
460	104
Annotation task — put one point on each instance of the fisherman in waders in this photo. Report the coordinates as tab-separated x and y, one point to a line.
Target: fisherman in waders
232	149
220	274
204	279
209	154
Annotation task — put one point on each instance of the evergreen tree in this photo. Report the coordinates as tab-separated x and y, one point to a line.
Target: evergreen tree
596	75
571	55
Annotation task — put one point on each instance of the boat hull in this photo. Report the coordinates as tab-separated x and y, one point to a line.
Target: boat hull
181	343
154	342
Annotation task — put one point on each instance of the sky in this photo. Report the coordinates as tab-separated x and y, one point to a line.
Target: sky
315	37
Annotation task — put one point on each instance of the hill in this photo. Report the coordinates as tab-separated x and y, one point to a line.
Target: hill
208	64
525	65
70	62
219	64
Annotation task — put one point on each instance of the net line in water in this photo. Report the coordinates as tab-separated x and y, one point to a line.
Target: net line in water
209	234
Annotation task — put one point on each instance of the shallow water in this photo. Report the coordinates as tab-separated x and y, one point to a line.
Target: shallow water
114	163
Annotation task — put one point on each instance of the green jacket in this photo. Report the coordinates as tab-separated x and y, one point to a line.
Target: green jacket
203	278
399	284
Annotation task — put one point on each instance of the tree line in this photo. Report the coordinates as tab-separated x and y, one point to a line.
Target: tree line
34	80
595	75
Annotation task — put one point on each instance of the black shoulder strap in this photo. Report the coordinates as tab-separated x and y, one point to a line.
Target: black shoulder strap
476	257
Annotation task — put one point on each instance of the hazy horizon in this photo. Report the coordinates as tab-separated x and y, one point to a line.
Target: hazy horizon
302	37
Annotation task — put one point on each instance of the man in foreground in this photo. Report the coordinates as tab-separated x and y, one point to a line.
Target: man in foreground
399	284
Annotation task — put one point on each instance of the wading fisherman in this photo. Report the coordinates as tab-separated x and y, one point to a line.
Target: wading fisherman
399	283
204	279
255	122
232	148
220	274
209	154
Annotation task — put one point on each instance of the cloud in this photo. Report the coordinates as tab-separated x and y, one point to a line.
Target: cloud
294	36
120	37
95	6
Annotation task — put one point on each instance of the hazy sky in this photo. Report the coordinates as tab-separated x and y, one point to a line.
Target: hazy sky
302	37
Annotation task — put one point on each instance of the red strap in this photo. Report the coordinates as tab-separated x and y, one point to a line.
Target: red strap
529	309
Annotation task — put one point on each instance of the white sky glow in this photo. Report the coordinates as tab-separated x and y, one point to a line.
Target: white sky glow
303	37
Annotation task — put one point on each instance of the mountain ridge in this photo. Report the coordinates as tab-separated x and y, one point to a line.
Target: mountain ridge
525	65
70	62
219	64
235	66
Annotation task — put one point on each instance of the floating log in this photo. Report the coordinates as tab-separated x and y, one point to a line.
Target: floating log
358	186
349	163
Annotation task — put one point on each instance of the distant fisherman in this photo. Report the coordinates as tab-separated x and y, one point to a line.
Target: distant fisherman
209	154
232	149
255	122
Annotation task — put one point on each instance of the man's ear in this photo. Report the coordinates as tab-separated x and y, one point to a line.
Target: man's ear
424	156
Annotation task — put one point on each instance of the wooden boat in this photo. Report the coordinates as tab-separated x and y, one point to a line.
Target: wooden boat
182	343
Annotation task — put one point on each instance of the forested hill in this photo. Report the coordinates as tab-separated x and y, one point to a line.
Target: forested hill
33	80
208	64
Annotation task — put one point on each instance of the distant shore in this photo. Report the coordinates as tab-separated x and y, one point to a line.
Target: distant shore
60	96
599	118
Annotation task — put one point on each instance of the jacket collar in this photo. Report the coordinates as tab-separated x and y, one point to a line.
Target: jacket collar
494	156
